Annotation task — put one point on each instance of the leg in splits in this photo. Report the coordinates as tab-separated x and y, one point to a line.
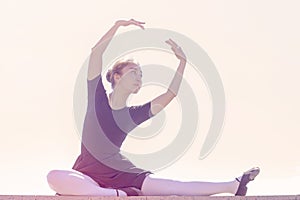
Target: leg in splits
159	186
72	182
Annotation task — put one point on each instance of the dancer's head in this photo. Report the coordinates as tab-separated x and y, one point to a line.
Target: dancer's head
127	75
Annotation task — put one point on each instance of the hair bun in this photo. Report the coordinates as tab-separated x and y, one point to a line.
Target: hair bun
108	75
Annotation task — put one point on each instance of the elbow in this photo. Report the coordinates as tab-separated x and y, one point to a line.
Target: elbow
171	93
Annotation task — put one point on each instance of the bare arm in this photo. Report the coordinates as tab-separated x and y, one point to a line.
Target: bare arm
95	62
164	99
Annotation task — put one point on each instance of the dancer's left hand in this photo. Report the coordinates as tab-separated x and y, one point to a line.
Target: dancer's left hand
176	49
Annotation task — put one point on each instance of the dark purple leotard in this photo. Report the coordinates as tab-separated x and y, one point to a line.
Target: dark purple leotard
104	131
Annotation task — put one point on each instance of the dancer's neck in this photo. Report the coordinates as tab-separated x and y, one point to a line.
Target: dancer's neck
118	99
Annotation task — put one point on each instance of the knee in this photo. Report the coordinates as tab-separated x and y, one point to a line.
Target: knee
53	177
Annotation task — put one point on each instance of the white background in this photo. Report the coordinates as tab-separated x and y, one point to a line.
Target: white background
255	46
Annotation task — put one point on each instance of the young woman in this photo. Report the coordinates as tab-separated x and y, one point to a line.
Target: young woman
100	169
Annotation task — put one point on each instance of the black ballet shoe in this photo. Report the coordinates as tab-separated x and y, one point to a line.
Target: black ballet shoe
246	178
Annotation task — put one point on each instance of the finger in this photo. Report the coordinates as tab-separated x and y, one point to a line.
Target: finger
138	21
137	24
174	48
168	42
172	41
142	27
171	45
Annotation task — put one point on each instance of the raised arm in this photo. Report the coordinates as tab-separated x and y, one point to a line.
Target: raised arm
95	62
164	99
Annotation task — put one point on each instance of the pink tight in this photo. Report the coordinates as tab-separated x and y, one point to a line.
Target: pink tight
71	182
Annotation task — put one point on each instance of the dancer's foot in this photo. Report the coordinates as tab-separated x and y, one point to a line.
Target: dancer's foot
120	193
245	179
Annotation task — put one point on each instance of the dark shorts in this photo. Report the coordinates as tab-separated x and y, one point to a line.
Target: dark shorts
121	180
111	178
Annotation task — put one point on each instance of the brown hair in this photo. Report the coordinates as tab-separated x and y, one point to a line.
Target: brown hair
117	68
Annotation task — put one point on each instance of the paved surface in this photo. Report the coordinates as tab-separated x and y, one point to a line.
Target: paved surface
39	197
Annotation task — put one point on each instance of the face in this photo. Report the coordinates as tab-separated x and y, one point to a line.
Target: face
131	78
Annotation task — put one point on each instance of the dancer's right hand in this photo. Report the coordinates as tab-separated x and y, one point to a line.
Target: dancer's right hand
130	22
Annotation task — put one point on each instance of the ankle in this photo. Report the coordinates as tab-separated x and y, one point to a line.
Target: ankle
239	179
121	193
236	184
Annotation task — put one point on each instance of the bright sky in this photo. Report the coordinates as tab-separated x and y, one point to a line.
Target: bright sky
254	45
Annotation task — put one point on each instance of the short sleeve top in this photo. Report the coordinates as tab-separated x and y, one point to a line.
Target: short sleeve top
104	128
